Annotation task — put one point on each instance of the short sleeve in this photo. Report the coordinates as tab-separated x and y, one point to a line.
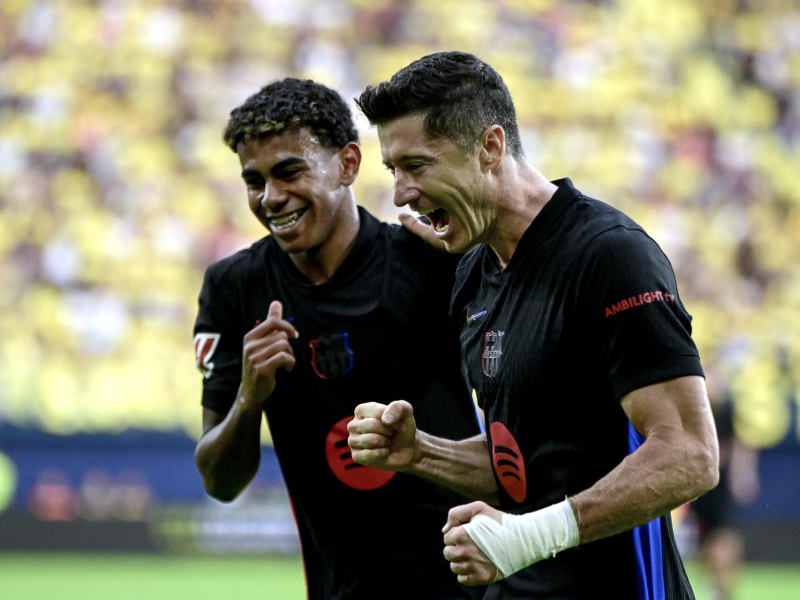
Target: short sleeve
218	344
633	308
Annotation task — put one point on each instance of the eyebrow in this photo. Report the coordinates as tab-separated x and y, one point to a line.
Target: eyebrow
277	168
407	158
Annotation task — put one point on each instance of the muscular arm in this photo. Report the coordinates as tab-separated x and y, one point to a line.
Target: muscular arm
677	462
386	437
463	466
229	451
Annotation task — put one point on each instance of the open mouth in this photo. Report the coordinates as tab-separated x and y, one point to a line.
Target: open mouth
287	221
439	218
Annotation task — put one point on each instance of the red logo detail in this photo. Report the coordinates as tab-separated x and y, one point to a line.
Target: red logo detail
508	464
204	346
345	468
645	298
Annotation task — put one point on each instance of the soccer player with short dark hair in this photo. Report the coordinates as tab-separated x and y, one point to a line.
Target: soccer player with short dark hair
332	309
575	341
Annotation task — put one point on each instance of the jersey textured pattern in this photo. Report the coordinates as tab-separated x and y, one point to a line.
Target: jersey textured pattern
586	310
377	330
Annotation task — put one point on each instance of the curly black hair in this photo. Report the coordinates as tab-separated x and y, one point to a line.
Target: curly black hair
459	94
288	105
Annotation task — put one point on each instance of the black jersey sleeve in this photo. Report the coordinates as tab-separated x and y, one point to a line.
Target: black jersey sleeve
633	309
218	341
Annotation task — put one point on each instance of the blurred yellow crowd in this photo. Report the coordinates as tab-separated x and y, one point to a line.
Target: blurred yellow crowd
116	191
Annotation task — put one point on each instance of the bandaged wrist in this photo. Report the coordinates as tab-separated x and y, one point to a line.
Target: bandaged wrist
522	540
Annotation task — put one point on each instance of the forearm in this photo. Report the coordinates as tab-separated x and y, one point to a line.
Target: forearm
228	455
664	473
463	466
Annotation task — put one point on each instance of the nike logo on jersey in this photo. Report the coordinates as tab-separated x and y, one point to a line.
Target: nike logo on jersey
475	317
204	346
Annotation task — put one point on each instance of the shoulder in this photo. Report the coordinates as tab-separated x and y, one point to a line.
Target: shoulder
238	265
604	231
415	252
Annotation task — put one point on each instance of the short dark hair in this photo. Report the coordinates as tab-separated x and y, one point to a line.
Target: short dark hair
459	93
287	105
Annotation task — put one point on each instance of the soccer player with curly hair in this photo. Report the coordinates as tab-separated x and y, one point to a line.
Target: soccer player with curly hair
332	309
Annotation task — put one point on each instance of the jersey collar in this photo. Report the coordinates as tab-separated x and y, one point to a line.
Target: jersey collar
543	222
368	230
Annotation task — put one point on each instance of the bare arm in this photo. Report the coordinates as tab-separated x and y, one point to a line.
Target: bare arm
229	451
386	437
678	461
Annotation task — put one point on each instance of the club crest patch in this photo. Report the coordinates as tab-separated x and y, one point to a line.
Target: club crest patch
331	357
204	346
508	463
346	470
492	352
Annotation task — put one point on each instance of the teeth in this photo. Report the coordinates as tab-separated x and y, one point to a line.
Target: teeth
426	211
286	220
441	227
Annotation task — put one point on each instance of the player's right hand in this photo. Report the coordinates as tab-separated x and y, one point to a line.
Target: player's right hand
420	229
266	349
383	436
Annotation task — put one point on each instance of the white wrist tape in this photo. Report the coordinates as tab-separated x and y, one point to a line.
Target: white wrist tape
525	539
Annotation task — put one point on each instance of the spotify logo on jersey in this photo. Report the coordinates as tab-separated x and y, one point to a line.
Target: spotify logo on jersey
345	468
508	464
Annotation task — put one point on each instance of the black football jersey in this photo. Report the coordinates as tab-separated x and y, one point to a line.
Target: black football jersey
586	311
377	330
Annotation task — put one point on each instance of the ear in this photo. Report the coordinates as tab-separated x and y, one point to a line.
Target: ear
349	162
493	147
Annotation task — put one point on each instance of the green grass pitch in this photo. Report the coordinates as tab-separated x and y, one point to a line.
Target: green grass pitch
148	577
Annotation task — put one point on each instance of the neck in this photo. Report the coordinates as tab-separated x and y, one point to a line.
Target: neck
522	192
320	263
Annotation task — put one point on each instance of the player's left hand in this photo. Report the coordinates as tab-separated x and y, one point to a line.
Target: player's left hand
466	559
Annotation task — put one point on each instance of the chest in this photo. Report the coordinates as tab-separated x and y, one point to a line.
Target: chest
518	333
359	338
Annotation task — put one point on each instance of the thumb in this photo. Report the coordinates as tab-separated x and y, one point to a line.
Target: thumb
421	230
275	310
399	415
462	514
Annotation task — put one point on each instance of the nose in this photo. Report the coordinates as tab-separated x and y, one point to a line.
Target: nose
274	195
403	192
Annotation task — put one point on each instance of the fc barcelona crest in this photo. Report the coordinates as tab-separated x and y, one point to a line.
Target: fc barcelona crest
331	357
492	352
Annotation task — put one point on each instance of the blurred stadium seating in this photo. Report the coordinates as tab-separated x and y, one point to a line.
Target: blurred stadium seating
116	190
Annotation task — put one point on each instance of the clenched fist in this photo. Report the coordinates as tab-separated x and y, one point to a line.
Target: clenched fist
467	560
383	436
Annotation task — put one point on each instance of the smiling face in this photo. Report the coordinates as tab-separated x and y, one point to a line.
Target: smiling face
438	180
294	187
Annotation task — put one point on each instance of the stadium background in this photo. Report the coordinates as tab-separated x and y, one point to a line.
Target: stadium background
116	192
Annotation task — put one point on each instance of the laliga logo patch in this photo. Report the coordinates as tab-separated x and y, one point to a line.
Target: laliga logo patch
507	461
331	357
341	462
204	346
492	352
